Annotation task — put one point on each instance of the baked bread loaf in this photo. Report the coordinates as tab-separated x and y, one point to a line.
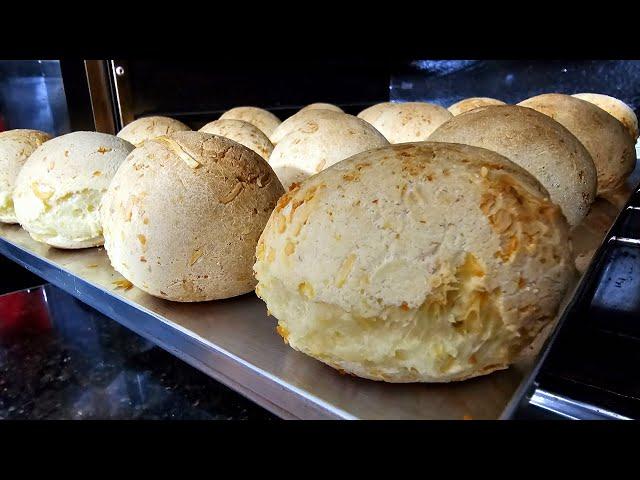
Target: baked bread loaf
146	128
59	189
242	132
258	117
605	138
183	215
299	119
372	113
408	122
617	108
15	148
421	262
321	142
538	144
322	106
474	102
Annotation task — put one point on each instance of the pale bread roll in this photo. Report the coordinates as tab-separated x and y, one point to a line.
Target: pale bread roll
146	128
372	113
617	108
15	148
321	142
410	121
474	102
538	144
299	119
183	215
322	106
422	262
242	132
59	189
604	137
258	117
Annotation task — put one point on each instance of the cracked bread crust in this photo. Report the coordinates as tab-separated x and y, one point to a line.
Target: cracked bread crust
59	189
183	215
540	145
420	262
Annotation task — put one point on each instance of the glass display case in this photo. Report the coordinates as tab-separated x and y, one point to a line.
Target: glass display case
577	374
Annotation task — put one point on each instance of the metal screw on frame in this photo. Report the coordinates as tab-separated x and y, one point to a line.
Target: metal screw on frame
119	71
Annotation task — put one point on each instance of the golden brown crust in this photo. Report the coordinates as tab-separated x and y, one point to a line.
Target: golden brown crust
540	145
406	122
617	108
427	261
474	102
604	137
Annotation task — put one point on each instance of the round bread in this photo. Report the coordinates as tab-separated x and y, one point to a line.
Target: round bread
408	122
372	113
258	117
299	119
605	138
617	108
321	142
15	148
471	103
59	189
538	144
322	106
146	128
422	262
242	132
183	215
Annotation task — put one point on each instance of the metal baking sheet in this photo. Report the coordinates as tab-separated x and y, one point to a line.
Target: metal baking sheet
235	342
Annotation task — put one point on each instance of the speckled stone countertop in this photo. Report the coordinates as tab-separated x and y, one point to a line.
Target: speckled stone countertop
60	359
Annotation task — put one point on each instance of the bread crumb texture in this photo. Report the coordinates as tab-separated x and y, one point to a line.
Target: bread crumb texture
15	147
434	262
58	193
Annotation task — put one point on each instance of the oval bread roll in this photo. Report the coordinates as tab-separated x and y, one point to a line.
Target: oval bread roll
15	148
146	128
59	189
258	117
538	144
322	106
617	108
474	102
321	142
410	121
605	138
372	113
242	132
421	262
183	215
299	119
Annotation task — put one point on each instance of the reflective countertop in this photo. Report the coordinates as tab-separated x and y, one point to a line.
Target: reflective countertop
61	359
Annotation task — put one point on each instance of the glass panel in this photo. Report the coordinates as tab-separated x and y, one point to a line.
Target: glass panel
32	96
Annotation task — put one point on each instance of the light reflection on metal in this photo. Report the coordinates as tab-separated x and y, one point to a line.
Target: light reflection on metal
571	409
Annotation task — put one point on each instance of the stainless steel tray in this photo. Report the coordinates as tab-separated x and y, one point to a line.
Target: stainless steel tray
234	341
